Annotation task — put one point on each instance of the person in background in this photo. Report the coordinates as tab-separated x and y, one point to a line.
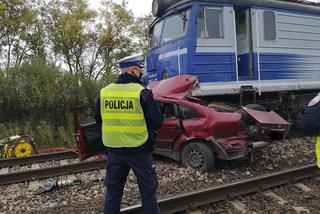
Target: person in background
129	117
310	123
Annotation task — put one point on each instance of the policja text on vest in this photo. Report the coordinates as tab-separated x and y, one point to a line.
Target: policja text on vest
118	104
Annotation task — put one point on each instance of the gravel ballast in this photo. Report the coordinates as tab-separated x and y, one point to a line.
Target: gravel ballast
87	197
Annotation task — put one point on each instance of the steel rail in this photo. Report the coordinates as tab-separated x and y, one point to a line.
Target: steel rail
37	158
35	174
227	191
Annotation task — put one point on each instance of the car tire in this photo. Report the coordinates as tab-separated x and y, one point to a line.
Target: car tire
159	6
197	156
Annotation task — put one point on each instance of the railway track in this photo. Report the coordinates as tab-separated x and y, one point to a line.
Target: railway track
173	180
231	191
36	159
34	172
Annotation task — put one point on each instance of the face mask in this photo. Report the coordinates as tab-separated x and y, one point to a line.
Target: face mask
140	73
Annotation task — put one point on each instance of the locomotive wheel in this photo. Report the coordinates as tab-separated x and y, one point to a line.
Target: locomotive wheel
197	156
22	149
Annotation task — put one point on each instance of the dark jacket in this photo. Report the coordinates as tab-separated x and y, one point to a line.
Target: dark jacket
310	121
151	113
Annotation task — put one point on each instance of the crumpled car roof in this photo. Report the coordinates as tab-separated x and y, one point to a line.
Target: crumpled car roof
178	87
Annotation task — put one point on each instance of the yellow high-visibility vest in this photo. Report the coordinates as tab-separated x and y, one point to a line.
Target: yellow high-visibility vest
318	151
123	122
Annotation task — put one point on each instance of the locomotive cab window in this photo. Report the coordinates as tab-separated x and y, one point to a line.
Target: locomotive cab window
210	23
176	26
156	35
269	20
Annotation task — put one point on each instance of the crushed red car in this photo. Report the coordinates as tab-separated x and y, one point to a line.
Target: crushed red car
193	133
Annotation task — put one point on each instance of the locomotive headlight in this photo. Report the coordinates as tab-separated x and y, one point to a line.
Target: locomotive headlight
155	7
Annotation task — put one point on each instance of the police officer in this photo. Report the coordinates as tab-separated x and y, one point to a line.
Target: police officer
310	123
129	118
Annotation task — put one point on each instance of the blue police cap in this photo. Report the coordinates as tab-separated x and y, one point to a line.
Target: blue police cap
129	61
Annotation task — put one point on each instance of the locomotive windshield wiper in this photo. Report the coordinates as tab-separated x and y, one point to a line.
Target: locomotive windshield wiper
182	15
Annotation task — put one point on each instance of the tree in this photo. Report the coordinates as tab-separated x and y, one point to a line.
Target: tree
16	21
87	42
68	24
114	38
69	33
141	30
3	9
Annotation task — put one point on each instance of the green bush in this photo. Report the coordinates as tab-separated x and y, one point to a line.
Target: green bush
37	99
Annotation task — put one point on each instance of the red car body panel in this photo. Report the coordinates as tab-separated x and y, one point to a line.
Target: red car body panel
208	125
187	119
79	136
221	128
178	87
267	121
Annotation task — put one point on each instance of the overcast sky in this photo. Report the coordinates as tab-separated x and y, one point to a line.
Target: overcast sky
140	7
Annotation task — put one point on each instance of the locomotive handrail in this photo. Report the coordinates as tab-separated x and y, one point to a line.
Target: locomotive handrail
179	68
235	47
258	52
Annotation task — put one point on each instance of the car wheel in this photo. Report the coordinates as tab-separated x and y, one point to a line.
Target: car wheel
197	156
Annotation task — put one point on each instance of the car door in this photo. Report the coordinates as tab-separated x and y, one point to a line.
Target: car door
170	130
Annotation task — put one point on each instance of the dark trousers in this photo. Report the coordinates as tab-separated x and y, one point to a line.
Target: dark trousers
118	167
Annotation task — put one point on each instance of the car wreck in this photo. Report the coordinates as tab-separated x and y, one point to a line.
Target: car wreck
192	132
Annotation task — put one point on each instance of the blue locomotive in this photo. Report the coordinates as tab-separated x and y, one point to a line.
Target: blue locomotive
265	47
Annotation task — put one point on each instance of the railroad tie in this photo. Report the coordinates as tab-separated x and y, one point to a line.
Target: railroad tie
4	171
102	172
238	205
34	185
63	162
194	212
71	177
35	166
301	210
271	194
303	187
